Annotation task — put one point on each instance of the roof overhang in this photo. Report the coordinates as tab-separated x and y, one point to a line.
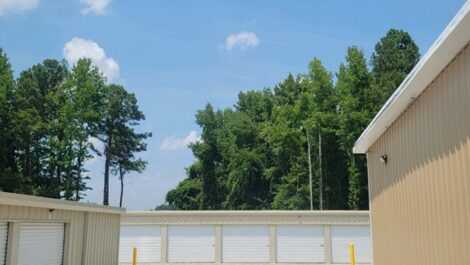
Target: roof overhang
451	41
48	203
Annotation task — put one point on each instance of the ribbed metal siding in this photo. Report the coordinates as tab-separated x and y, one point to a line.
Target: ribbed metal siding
40	214
146	238
41	243
102	237
300	243
3	241
191	243
420	200
245	243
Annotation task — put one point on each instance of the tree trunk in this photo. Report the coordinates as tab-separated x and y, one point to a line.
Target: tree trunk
309	170
107	164
121	176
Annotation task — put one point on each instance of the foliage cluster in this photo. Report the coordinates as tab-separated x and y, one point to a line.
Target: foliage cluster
49	117
254	156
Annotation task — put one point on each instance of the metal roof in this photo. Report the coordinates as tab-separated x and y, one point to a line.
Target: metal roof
42	202
451	41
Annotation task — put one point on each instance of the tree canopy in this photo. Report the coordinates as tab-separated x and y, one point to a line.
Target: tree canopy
256	154
48	116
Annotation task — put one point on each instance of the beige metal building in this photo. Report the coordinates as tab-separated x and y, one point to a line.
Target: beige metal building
35	230
245	237
418	156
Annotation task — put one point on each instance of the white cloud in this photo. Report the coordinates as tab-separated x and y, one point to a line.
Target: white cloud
243	40
172	143
96	7
17	6
79	48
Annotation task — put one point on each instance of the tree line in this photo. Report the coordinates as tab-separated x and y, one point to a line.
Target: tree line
51	115
256	154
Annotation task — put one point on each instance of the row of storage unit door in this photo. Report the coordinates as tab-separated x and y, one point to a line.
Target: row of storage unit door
39	243
244	243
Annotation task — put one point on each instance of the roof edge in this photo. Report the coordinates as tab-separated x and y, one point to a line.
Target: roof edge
49	203
248	213
449	43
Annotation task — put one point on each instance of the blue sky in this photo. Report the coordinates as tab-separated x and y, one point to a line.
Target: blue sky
178	55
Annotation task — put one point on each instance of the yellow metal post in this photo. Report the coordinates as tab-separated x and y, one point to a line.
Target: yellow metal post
134	256
351	253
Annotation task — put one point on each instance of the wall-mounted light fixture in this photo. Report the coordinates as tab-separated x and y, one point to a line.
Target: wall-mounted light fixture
383	159
49	215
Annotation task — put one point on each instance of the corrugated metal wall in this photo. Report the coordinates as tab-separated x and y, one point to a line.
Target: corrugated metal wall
76	219
420	199
102	236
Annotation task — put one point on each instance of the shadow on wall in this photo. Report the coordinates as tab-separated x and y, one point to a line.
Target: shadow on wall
430	140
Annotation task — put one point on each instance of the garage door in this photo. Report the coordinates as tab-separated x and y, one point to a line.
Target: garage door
342	236
41	243
146	238
245	243
3	241
191	243
300	243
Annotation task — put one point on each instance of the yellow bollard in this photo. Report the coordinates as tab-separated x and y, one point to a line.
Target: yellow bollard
134	256
351	253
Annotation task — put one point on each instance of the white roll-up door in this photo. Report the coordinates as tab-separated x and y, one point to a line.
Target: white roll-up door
194	243
300	243
41	243
245	243
343	235
146	238
3	241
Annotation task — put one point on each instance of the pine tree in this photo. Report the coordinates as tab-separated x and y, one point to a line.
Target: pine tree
394	57
354	88
10	179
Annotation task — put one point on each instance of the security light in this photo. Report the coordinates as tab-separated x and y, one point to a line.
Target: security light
383	159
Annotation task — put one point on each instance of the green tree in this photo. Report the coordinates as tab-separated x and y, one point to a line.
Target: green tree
33	108
323	124
355	112
257	154
121	142
81	102
207	152
186	196
10	179
394	57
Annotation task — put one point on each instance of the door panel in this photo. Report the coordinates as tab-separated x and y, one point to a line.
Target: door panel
343	235
41	243
245	243
146	238
194	243
300	243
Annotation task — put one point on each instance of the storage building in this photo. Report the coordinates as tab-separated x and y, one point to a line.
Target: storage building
418	157
245	237
37	231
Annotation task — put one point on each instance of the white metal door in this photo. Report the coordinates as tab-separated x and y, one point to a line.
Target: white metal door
41	243
245	243
3	241
194	243
343	235
146	238
300	243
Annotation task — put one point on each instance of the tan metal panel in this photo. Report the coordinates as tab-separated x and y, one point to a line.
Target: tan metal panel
102	237
420	199
88	240
32	214
246	217
3	241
